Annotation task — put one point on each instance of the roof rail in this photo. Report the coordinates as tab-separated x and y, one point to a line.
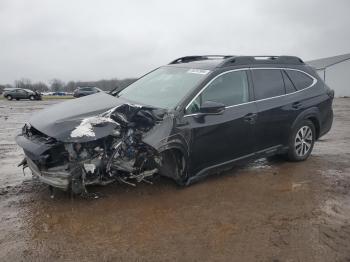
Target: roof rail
187	59
243	60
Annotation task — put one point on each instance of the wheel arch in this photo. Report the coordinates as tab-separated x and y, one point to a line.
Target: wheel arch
311	114
178	149
170	169
316	123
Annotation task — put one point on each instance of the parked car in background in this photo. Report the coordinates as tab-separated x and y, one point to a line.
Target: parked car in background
47	93
59	93
21	93
84	91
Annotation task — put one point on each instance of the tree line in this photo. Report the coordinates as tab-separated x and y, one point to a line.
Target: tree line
57	85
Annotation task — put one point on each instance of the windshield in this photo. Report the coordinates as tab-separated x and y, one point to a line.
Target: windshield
164	87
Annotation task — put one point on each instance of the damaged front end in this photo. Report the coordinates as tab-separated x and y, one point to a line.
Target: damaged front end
95	150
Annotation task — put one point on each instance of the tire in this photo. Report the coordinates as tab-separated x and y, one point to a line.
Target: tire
174	166
9	97
32	98
301	141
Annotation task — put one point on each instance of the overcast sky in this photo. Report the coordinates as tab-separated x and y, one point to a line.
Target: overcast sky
101	39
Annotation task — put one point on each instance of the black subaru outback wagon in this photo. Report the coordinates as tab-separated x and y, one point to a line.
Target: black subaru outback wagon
185	120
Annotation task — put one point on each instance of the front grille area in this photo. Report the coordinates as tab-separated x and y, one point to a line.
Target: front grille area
56	153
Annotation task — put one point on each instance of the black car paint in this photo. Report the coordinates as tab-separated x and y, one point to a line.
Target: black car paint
64	117
269	132
210	141
219	138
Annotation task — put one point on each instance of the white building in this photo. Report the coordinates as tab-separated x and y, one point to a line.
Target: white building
335	71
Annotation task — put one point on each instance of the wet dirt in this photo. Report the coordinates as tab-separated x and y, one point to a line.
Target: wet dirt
269	210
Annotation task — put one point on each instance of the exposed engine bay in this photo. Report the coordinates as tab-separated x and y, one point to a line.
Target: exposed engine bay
85	158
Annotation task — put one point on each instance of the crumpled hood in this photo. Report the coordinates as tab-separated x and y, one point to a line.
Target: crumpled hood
59	121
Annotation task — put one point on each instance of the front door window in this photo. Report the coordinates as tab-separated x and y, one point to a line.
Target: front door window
229	89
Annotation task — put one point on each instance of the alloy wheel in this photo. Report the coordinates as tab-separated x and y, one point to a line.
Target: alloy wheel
303	141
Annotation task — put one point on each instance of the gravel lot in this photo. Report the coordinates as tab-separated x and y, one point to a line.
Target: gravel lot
270	210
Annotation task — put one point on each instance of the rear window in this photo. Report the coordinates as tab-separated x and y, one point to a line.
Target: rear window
267	83
299	79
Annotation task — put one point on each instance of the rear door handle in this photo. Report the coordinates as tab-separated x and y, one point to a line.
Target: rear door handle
251	118
296	105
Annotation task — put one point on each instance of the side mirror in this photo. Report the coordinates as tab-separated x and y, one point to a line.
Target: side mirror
210	107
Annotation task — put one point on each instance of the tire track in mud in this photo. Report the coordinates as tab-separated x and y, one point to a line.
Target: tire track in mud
334	220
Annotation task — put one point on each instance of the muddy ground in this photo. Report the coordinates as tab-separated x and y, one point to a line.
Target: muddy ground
270	210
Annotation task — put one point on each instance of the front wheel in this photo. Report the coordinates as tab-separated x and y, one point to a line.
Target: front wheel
31	98
9	97
301	141
174	166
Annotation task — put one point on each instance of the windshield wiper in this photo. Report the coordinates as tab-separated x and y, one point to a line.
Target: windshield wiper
114	89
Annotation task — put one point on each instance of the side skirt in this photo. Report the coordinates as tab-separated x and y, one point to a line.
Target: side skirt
279	149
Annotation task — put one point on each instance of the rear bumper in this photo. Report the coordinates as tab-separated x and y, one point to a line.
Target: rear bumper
327	125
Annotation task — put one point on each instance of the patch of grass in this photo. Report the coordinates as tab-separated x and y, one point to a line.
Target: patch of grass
56	97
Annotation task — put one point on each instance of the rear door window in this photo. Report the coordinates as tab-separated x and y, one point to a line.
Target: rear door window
267	83
299	79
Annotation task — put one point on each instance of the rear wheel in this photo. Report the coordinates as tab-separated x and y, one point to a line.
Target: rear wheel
301	141
9	97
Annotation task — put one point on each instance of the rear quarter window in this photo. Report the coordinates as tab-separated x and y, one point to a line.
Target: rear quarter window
299	79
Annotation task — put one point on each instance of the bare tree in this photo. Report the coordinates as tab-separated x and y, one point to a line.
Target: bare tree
57	85
23	83
70	86
40	86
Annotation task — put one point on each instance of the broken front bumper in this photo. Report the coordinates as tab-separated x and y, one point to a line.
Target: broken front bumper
34	148
57	176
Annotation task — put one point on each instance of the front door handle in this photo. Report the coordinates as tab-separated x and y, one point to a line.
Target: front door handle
251	118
